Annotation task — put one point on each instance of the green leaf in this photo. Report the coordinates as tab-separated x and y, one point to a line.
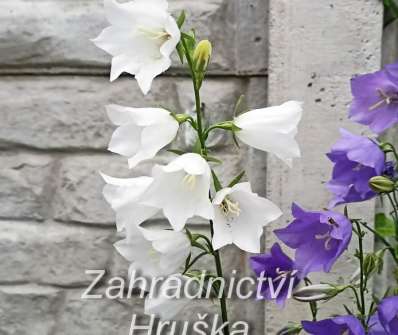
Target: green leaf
216	181
241	106
176	151
384	225
213	159
237	179
181	19
197	148
180	52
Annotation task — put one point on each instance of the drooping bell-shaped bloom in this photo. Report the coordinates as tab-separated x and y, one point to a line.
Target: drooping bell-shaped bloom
181	189
124	195
240	216
375	99
340	325
141	132
356	159
385	320
272	129
318	237
154	252
141	38
170	298
280	271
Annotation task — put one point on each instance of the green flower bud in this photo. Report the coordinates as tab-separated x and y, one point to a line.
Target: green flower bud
201	55
370	264
317	292
381	184
181	118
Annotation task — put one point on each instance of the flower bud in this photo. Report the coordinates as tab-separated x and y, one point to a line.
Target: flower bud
181	118
370	264
201	55
317	292
381	184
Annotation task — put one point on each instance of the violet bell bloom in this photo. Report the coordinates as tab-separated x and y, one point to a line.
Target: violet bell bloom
375	99
356	159
340	325
319	237
385	321
279	273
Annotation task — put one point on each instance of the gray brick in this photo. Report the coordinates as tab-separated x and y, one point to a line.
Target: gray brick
68	112
102	317
51	254
55	35
28	310
24	183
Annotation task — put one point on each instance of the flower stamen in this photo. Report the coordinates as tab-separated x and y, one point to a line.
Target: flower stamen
228	206
385	99
190	181
325	237
155	34
284	274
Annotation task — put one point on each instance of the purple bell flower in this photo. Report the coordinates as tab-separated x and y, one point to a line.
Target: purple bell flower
385	321
375	99
280	271
319	237
356	159
340	325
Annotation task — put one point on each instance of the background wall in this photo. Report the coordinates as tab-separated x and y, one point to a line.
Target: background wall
54	132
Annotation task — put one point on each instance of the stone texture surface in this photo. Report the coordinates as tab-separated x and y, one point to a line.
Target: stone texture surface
55	34
28	310
54	84
68	112
51	253
312	59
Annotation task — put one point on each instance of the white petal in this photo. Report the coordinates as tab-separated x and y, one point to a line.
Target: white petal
222	232
148	72
126	140
154	138
181	194
123	196
123	63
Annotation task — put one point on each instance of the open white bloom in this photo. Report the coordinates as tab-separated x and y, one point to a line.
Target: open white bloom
154	252
181	189
123	195
142	132
272	129
240	216
170	298
141	38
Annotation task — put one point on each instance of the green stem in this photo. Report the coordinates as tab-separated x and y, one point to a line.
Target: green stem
198	103
204	253
390	248
313	304
395	210
223	304
362	284
202	140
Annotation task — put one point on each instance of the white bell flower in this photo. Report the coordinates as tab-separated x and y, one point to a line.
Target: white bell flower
181	189
170	298
154	252
142	132
272	129
123	195
240	216
141	38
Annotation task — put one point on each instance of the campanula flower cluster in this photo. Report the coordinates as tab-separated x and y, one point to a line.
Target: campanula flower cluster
363	168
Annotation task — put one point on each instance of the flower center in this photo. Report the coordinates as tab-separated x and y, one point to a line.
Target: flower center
386	99
153	34
284	274
325	237
190	181
345	332
230	207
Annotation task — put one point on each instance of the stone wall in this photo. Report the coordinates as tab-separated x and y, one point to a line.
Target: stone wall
54	132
